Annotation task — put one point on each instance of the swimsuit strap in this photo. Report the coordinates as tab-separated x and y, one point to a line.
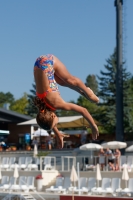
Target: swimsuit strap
43	95
49	106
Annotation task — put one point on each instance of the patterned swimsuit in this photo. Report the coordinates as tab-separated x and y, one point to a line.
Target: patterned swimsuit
45	63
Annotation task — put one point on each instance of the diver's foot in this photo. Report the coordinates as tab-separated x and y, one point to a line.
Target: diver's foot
91	96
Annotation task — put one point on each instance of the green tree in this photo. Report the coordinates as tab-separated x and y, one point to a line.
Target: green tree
91	81
20	105
129	108
6	98
31	109
107	94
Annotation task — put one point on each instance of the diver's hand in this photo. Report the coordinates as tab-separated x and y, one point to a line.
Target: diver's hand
95	132
59	136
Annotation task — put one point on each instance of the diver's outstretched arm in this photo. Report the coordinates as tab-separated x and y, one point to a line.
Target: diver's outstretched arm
84	112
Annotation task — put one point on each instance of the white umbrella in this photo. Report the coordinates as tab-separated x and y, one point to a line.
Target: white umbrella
114	145
35	151
129	149
98	174
73	178
90	146
125	175
78	171
40	132
16	174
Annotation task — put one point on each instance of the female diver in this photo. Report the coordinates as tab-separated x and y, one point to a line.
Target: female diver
48	71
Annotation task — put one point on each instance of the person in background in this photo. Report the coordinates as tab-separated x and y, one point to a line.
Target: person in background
83	136
35	142
48	139
111	166
109	155
117	167
117	155
101	155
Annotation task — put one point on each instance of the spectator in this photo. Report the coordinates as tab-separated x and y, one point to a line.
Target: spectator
101	155
117	155
48	140
110	156
111	166
83	136
35	142
117	167
52	141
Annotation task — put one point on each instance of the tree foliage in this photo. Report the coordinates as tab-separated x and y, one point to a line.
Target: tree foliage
107	94
6	98
20	105
31	109
128	105
91	81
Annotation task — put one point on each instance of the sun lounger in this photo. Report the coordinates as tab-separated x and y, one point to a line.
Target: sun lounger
58	185
17	187
106	183
4	180
83	184
115	187
5	163
127	191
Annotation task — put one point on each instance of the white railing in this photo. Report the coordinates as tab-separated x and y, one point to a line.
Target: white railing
89	162
71	160
64	163
51	162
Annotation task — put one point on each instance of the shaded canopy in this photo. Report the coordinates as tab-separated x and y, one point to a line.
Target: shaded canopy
65	122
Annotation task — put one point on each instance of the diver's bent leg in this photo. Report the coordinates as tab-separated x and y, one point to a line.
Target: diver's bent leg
62	83
91	96
73	82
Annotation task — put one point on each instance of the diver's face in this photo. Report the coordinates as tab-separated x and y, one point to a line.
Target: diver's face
55	120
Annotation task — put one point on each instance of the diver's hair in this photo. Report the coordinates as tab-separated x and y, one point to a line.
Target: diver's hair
43	117
39	103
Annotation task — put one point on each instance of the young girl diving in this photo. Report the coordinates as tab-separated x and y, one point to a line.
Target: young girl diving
48	71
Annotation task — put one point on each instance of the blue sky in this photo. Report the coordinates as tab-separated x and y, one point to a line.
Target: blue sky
81	33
